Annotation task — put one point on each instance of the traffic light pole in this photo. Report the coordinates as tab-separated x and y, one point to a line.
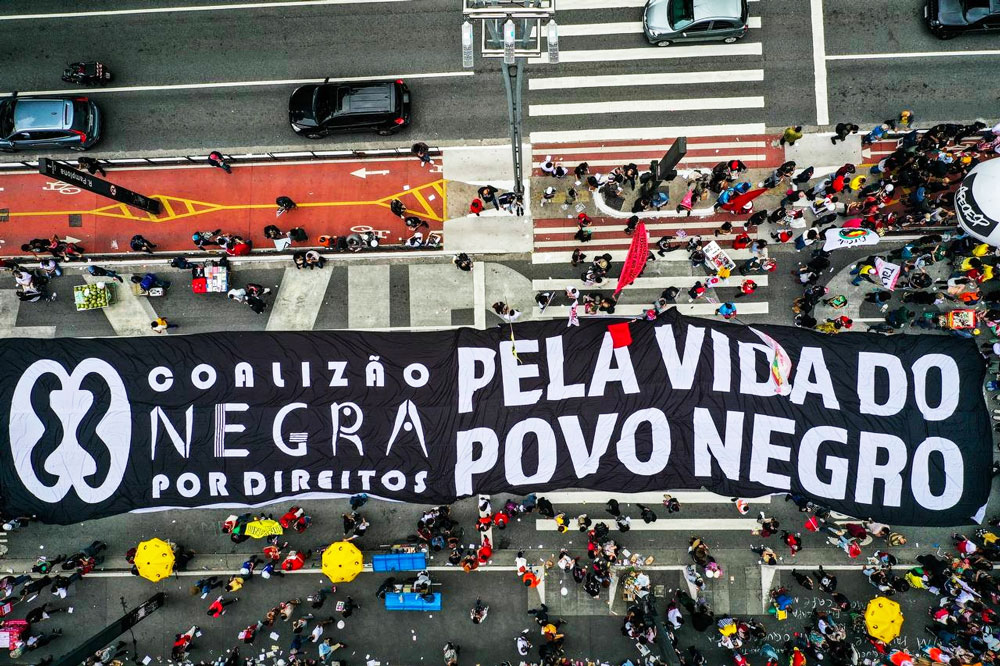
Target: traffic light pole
513	76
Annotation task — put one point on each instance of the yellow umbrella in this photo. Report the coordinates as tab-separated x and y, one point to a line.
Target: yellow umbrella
883	619
154	559
342	562
258	529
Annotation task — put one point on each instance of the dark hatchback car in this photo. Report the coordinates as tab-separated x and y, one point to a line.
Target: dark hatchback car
951	18
48	122
358	106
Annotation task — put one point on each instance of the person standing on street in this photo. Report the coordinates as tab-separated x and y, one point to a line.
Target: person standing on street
140	244
451	651
349	606
422	152
216	159
488	193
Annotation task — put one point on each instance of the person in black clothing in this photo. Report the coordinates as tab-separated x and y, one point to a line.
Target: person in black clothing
140	244
488	193
613	507
545	508
216	159
349	606
842	130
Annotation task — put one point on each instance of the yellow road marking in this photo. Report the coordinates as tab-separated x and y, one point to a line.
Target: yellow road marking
177	208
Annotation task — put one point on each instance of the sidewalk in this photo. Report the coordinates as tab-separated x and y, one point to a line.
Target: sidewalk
333	197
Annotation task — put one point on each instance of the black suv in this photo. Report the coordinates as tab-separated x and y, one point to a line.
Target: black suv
950	18
380	106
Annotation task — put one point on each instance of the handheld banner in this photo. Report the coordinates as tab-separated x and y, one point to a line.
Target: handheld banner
893	428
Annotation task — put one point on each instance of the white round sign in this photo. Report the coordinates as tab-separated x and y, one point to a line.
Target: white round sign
977	202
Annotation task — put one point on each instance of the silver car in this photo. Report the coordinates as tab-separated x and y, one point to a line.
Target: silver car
667	22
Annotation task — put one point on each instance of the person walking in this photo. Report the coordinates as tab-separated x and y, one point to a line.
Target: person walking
842	130
160	325
98	271
790	135
218	607
216	159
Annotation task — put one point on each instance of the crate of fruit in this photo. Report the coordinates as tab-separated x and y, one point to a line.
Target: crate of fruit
93	296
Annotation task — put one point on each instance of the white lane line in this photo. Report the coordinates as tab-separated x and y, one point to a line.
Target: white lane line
652	53
918	54
670	524
637	133
634	149
237	84
646	105
196	8
587	29
574	5
754	22
630	80
819	63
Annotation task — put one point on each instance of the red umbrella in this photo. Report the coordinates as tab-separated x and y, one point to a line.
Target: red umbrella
736	204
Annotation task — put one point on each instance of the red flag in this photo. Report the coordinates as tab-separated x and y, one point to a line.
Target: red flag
621	336
638	252
737	203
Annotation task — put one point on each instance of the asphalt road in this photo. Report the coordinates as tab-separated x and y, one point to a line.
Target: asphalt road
936	79
768	78
411	638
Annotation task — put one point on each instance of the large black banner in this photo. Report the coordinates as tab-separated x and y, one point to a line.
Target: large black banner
889	427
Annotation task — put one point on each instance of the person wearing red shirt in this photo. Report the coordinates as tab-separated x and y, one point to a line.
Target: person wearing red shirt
747	287
485	550
295	560
741	242
218	607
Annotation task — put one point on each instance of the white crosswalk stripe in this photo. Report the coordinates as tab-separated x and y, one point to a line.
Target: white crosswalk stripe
699	309
641	105
650	53
655	79
671	525
564	99
640	133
